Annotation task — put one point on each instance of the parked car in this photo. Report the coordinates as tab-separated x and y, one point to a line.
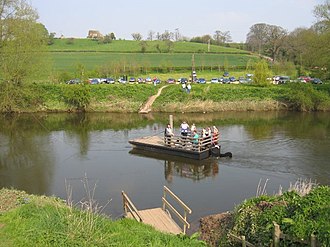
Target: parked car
226	81
171	80
73	81
282	79
201	81
109	81
232	79
94	81
305	79
214	80
226	74
183	80
132	79
122	80
156	80
141	80
148	79
242	80
316	81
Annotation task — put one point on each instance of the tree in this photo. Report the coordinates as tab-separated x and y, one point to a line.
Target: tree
256	38
21	41
222	37
137	36
112	36
143	45
322	14
167	35
261	73
266	39
151	35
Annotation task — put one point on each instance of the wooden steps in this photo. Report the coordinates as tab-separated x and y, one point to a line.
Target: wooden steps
159	218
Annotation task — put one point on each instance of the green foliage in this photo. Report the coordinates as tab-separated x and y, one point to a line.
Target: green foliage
45	221
298	216
304	97
285	68
261	73
15	98
78	96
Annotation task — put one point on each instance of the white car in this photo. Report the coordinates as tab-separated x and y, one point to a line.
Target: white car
214	80
122	80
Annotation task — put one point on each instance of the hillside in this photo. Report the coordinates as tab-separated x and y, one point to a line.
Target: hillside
66	54
130	46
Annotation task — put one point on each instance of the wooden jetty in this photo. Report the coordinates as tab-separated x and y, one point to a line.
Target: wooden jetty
160	218
186	147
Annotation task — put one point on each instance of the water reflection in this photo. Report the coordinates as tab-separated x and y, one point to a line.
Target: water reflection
181	167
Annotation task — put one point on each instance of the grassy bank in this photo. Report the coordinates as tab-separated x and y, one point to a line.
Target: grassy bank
301	212
29	220
130	98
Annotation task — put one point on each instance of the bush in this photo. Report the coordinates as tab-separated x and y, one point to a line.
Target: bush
261	74
304	97
298	216
78	96
15	98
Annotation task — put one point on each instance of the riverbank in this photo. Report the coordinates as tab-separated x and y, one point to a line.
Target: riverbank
31	220
132	97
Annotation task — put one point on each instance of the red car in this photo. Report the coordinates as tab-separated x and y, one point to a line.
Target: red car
305	79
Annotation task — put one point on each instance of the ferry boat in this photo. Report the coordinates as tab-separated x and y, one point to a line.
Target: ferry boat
183	146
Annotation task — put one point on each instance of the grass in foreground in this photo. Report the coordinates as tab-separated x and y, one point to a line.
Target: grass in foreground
28	220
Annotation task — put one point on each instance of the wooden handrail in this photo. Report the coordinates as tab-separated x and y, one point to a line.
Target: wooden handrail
129	207
182	219
186	209
178	199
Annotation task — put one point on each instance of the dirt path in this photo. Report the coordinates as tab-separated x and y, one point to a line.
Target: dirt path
146	108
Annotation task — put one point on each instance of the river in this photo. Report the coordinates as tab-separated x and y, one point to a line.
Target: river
52	154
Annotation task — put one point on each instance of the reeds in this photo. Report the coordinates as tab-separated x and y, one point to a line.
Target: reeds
301	186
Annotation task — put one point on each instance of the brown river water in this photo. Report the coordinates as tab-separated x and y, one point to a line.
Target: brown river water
44	153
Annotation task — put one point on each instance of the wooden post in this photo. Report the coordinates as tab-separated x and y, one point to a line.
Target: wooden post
276	235
184	225
243	241
164	195
171	121
313	240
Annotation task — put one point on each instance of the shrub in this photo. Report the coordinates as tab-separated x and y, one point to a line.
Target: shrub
78	96
298	216
261	74
304	97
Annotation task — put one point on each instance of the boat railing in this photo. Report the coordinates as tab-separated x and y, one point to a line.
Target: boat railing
191	143
168	206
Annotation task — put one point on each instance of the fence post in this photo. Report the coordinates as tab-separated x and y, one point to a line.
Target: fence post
243	241
313	240
276	235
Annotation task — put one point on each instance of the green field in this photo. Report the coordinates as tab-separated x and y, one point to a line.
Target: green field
67	61
127	54
119	46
